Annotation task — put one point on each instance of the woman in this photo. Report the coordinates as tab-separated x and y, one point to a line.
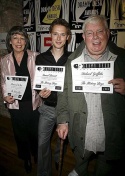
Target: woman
24	115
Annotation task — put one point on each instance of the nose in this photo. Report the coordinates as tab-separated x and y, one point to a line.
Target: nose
19	40
95	34
58	37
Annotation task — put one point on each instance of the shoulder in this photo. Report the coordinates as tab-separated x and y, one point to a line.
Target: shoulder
41	57
6	57
115	49
32	53
78	51
68	53
41	54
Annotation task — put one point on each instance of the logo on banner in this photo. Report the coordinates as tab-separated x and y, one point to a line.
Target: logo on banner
47	41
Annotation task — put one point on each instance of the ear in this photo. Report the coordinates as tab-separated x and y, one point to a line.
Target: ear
108	33
83	36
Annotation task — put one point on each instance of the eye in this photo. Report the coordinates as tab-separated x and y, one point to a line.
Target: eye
54	34
22	38
89	33
14	37
100	32
63	34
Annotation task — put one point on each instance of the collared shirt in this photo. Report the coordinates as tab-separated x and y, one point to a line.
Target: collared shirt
103	57
95	131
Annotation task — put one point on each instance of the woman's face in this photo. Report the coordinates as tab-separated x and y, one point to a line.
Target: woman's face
18	42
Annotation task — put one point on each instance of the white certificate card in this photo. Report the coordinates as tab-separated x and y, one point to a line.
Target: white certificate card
50	77
92	76
16	86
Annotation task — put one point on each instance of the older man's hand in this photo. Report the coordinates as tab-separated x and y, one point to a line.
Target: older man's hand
62	130
119	85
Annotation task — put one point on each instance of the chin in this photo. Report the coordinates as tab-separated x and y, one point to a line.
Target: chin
98	51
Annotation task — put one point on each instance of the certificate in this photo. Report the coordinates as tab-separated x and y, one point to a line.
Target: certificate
92	76
50	77
16	86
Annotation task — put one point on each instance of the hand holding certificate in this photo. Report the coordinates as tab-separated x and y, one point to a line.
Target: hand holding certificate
92	76
50	77
16	86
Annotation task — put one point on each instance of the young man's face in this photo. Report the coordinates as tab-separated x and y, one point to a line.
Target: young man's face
59	36
96	38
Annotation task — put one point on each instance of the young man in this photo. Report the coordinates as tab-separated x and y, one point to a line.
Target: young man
57	55
96	121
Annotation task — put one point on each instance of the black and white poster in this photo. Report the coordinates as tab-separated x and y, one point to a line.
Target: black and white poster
81	9
39	14
47	11
29	15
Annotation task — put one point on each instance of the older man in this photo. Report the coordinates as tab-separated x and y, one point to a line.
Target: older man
95	122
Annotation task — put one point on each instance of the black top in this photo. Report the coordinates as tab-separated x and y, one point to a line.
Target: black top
47	58
22	70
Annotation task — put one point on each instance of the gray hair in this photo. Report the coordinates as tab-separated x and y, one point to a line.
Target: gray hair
95	19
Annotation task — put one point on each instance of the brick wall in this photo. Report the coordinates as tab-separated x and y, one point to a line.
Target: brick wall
10	15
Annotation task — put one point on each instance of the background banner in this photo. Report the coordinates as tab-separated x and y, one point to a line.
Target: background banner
39	14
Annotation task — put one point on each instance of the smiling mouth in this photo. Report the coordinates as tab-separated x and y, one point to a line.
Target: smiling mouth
18	46
58	42
96	42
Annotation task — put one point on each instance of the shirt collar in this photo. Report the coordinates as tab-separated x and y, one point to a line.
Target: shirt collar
103	57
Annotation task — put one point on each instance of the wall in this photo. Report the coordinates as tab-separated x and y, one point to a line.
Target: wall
10	15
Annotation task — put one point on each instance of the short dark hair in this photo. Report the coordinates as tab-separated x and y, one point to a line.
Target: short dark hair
17	30
62	22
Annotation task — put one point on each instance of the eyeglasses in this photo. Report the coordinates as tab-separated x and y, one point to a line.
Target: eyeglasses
98	33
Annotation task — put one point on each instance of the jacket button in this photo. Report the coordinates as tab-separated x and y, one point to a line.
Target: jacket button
84	112
81	138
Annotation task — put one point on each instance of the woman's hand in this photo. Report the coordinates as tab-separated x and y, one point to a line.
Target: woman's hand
9	99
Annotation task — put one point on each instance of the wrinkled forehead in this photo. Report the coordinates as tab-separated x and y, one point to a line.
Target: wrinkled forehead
94	24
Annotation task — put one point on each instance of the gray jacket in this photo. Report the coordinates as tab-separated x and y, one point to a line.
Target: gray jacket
72	108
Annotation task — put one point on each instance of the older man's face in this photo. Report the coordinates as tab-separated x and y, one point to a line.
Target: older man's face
96	38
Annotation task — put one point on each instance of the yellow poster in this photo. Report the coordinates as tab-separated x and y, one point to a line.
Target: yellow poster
53	13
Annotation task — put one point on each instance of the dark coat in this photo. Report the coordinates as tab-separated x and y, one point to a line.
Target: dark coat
72	108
